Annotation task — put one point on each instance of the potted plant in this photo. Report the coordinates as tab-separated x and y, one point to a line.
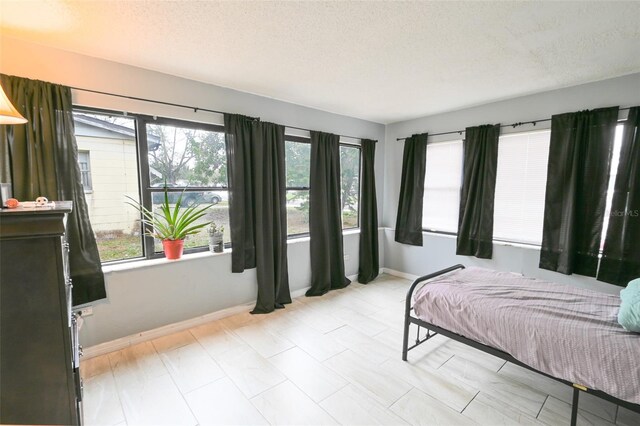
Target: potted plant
172	225
216	234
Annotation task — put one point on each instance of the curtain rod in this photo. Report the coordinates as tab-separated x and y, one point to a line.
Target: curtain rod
514	125
195	109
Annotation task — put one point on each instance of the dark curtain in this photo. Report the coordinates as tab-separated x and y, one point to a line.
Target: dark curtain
271	217
368	258
621	254
325	221
475	220
257	206
409	219
577	179
43	161
239	132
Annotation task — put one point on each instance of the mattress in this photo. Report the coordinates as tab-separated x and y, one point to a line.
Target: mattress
566	332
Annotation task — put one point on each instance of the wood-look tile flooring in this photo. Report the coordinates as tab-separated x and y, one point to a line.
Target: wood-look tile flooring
328	360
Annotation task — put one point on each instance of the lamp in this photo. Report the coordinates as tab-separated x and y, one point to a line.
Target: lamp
8	113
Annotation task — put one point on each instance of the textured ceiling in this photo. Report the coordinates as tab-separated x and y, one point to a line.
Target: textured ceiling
381	61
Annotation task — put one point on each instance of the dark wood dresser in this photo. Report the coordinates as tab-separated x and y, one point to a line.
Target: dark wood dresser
39	351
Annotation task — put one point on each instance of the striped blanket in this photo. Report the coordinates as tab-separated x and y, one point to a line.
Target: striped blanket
567	332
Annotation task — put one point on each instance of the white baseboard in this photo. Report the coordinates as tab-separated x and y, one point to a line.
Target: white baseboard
143	336
299	293
399	274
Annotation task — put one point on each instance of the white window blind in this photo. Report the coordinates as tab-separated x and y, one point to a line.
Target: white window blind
520	187
613	173
442	182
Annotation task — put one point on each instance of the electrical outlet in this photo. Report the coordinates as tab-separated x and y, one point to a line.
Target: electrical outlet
347	257
85	312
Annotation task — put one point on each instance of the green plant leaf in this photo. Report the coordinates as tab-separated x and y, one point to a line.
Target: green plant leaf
171	224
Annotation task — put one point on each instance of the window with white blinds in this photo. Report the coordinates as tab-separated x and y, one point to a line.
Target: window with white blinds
442	182
520	187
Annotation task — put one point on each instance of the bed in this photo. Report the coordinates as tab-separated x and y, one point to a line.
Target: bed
566	333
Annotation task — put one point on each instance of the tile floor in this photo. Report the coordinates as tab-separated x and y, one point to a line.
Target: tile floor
328	360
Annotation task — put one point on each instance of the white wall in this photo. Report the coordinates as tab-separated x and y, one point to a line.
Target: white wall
30	60
159	293
438	251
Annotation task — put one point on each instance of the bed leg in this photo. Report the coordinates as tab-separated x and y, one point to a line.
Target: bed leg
405	337
574	406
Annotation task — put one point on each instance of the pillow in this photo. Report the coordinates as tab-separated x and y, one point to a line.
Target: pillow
629	314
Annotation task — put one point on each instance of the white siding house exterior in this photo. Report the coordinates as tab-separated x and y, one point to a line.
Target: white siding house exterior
113	174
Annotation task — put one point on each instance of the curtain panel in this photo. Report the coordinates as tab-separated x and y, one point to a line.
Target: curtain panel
271	218
239	131
409	218
43	161
621	254
369	257
257	206
475	220
325	221
577	178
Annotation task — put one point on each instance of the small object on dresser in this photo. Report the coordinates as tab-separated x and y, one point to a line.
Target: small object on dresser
41	201
12	203
5	193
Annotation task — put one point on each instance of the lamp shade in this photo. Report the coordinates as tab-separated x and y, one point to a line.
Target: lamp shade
8	113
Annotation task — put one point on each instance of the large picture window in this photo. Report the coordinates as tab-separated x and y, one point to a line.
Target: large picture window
189	158
137	156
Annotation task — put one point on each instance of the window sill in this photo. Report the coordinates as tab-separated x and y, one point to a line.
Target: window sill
144	263
128	265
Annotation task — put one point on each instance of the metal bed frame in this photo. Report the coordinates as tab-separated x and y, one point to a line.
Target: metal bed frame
433	330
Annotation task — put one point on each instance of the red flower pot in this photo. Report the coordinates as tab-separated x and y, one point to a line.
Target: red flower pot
173	248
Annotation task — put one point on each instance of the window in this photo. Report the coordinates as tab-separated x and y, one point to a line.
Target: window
111	174
298	165
85	170
190	158
520	187
442	182
349	185
136	156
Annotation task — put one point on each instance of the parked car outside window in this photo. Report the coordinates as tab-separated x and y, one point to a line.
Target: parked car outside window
189	198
